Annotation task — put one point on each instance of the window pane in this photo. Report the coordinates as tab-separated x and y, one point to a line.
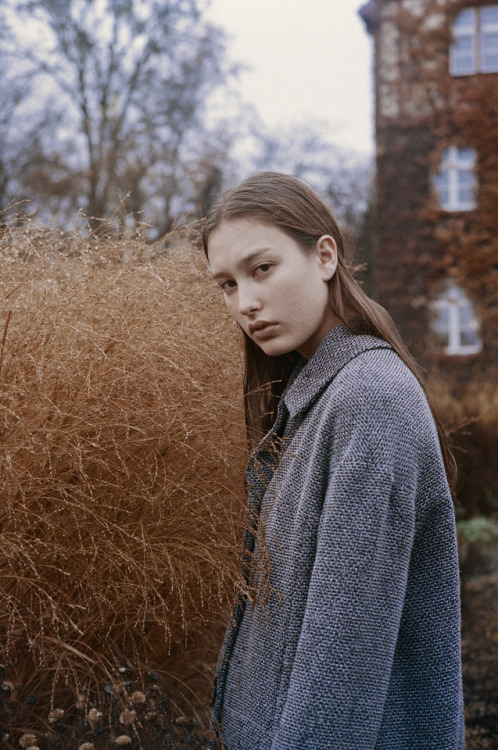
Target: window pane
467	318
469	338
442	185
463	55
489	16
463	50
456	295
465	187
465	19
489	52
441	318
461	66
464	45
466	156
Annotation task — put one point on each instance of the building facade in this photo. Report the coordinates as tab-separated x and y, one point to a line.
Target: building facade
434	228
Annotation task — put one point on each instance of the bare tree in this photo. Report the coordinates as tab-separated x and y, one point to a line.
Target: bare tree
112	93
342	177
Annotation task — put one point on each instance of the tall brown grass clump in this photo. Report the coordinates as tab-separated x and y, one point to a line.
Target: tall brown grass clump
122	454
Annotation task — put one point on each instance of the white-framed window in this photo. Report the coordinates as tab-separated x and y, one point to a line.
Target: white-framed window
475	41
455	182
455	322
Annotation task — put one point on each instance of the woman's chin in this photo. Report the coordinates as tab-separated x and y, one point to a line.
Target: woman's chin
274	348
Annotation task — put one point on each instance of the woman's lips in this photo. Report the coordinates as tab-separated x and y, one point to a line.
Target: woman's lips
262	329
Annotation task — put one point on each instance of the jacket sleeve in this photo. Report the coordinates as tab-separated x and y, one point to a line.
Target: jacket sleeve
342	664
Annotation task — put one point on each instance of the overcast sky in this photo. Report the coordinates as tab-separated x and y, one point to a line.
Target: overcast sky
309	60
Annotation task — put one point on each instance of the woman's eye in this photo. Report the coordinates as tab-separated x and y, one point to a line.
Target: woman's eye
261	269
226	286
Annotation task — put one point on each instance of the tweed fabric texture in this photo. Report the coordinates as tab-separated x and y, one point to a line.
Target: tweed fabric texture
351	637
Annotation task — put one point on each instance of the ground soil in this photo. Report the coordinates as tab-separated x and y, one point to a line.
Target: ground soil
159	725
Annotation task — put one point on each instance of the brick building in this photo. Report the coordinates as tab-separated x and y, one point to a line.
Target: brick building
434	233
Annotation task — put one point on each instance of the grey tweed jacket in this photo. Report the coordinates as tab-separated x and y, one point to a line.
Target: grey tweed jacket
349	637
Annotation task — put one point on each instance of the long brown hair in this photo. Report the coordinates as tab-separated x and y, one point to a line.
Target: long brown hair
289	203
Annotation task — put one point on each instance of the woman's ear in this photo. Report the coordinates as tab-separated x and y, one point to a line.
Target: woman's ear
326	251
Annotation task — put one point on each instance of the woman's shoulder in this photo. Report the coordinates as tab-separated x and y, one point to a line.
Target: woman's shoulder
378	385
381	369
359	378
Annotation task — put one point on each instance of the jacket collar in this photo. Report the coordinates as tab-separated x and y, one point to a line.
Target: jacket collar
310	377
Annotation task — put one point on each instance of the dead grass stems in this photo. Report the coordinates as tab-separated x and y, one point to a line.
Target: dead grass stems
122	453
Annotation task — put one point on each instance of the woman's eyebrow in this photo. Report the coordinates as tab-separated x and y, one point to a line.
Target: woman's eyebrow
244	261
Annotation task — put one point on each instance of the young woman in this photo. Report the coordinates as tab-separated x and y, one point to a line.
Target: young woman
345	634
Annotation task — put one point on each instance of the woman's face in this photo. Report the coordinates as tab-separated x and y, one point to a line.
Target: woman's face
277	294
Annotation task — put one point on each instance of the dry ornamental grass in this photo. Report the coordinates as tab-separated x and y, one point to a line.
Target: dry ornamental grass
122	506
122	454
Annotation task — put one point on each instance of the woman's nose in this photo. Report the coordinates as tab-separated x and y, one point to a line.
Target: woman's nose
249	302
